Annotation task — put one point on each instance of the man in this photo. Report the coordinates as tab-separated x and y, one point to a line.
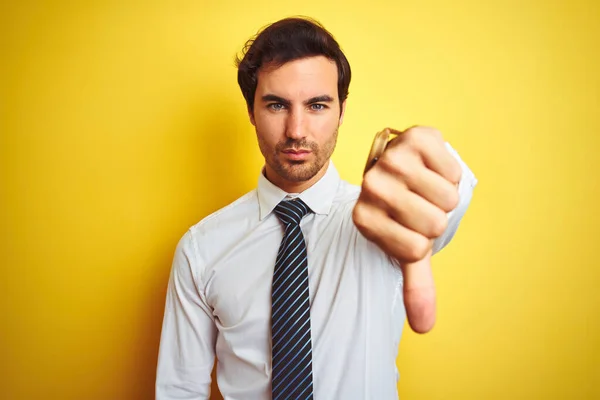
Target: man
301	287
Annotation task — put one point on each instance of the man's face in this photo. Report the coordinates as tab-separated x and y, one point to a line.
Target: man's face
296	116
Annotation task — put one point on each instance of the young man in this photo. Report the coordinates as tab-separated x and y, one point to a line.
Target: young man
301	287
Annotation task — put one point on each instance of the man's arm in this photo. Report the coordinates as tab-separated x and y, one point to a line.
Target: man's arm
187	345
410	205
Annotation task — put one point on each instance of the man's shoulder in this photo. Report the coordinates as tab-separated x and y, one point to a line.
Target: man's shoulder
347	193
243	207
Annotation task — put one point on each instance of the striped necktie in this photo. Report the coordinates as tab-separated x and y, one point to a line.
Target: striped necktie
290	310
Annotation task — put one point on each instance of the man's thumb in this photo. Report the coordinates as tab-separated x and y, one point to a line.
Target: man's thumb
419	294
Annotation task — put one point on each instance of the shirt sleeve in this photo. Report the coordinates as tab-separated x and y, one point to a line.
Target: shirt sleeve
187	343
467	183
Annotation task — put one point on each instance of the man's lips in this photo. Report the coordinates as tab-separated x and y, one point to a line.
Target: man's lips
296	151
297	154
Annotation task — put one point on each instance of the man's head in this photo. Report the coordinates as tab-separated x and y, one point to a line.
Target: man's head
295	80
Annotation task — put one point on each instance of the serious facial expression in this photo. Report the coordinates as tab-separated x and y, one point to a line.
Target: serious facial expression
297	115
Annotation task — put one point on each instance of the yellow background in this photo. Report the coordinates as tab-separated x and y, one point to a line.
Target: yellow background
122	125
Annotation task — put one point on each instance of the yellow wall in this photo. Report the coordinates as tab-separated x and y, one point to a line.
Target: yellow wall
121	125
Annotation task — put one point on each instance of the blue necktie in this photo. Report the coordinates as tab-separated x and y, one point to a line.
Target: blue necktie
290	310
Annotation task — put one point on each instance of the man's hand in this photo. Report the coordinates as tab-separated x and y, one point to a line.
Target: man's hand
402	208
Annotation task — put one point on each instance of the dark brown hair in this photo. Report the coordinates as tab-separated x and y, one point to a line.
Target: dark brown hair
287	40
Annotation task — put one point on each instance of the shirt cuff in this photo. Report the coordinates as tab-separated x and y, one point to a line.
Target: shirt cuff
467	184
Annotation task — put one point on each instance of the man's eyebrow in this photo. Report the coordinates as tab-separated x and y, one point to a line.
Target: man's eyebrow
272	97
325	98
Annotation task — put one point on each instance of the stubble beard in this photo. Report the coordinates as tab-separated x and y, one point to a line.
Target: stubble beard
299	171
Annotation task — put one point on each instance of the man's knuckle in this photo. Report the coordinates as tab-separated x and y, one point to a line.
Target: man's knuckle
413	138
369	186
388	159
435	133
438	224
456	172
359	216
451	200
418	249
399	163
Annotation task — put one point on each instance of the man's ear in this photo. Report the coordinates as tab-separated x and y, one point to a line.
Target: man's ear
251	116
343	110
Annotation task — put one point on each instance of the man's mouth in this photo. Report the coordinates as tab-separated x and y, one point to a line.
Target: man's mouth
297	154
296	151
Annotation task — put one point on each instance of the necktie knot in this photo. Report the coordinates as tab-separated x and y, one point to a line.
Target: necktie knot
291	211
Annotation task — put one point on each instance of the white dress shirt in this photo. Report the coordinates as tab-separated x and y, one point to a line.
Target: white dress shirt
219	298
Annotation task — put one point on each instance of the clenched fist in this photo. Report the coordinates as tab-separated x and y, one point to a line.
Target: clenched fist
403	206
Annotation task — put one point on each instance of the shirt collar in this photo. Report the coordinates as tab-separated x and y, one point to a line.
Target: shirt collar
318	197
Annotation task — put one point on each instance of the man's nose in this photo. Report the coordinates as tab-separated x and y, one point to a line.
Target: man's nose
295	128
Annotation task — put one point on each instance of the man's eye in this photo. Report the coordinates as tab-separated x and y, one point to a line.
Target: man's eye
276	106
317	107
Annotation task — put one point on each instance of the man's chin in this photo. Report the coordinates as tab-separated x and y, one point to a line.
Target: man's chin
298	171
